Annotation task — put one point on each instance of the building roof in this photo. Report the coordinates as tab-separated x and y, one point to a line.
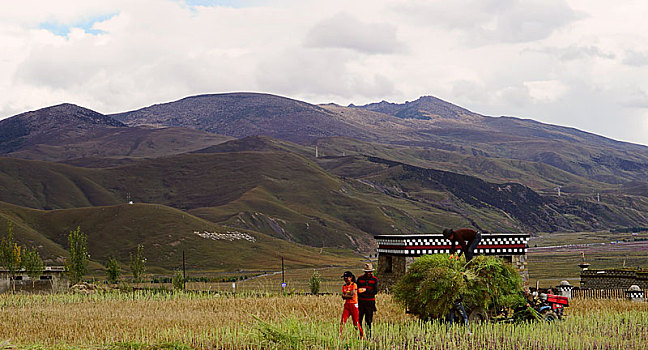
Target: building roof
435	243
45	269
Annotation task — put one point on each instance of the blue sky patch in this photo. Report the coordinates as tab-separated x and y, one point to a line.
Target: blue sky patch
63	29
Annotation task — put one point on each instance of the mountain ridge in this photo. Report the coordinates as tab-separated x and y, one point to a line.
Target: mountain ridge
317	175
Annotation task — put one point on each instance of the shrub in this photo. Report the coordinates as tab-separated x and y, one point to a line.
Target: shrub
178	280
315	282
112	270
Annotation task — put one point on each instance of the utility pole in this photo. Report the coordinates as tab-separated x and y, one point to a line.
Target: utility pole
283	281
184	273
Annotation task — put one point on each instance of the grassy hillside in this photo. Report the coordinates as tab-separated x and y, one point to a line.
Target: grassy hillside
284	192
165	233
45	185
537	175
242	184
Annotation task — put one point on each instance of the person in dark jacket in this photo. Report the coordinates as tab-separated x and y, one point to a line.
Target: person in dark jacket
468	240
367	289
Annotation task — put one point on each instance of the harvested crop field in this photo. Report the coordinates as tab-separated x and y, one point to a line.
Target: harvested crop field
144	320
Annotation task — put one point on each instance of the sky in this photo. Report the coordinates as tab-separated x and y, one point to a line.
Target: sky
576	63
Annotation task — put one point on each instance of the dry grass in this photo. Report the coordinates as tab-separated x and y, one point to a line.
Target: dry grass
142	320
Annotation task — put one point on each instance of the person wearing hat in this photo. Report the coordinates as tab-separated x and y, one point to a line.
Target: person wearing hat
468	240
350	296
367	289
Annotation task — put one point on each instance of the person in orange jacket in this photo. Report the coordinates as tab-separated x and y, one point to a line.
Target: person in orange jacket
350	296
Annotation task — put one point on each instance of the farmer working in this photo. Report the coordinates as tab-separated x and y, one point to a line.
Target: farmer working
468	240
350	296
367	289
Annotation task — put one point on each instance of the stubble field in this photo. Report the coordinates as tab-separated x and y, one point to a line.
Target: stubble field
146	320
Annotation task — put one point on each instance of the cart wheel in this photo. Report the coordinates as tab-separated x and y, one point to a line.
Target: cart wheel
549	316
478	315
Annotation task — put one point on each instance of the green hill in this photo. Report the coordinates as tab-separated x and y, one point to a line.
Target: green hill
165	233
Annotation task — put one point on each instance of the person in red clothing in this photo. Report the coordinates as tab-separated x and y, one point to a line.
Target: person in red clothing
468	240
367	289
350	296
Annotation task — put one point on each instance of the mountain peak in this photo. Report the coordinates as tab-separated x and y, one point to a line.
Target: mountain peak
65	114
425	108
17	130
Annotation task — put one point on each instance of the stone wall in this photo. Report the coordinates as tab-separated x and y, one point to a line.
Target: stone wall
391	268
613	279
520	263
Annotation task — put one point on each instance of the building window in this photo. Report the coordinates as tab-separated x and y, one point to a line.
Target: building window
45	277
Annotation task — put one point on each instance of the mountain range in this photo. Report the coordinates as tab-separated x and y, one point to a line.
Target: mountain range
317	180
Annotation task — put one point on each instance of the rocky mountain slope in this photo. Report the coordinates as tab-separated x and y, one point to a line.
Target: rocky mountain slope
245	114
426	122
68	131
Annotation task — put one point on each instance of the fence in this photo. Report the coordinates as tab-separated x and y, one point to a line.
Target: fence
598	293
326	287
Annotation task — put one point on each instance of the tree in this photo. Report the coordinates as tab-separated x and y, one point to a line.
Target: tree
10	257
112	270
138	264
77	264
314	282
33	264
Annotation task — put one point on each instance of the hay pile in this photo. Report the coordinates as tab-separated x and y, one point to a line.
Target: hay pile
84	288
434	282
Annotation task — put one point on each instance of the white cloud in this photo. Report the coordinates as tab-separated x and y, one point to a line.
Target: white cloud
319	72
346	31
545	90
580	63
636	58
578	52
489	21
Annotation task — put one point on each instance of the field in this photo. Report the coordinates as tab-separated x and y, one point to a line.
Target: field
297	281
555	257
145	320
